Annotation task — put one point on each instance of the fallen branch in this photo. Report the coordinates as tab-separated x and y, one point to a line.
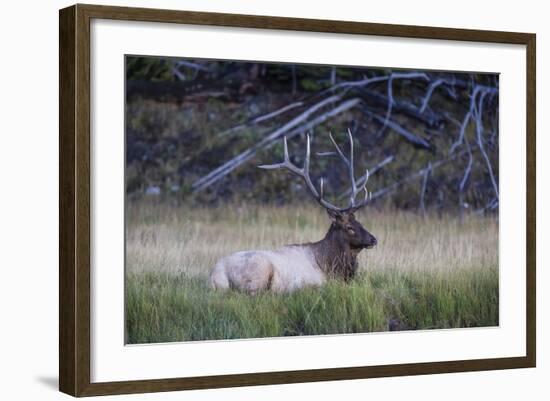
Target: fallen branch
478	113
429	94
368	81
431	119
268	141
466	175
481	90
262	118
420	173
176	90
409	136
348	104
187	64
427	172
389	107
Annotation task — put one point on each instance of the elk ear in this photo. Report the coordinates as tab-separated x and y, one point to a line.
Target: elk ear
335	216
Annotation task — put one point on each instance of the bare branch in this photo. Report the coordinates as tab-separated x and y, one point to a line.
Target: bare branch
195	66
277	112
477	89
379	166
262	118
430	118
367	81
268	141
467	171
429	93
417	174
478	111
462	132
409	136
427	172
390	103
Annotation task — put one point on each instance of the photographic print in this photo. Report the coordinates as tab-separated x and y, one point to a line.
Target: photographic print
315	199
278	199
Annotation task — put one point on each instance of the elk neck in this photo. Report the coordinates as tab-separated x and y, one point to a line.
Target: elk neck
334	254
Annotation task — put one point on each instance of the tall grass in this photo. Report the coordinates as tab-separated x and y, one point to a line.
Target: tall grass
426	272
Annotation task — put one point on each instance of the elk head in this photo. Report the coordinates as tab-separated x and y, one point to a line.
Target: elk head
351	231
345	228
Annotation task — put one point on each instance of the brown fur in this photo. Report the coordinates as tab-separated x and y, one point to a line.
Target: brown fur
336	254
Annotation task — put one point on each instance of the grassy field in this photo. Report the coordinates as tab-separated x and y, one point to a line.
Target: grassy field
427	272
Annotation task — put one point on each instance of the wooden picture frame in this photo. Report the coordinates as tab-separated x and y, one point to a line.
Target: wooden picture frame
74	200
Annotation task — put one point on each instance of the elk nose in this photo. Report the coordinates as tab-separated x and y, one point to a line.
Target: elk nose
374	241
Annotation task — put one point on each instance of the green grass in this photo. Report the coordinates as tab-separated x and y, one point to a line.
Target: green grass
164	308
426	273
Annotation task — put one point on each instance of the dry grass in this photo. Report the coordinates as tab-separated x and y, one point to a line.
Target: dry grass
161	238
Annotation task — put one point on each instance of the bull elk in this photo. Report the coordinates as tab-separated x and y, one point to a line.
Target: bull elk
293	267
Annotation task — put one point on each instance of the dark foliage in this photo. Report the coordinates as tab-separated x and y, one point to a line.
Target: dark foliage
197	129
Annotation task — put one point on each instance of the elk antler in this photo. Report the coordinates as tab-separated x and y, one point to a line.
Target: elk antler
304	174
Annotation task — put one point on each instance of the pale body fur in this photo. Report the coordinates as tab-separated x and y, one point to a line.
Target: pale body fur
283	270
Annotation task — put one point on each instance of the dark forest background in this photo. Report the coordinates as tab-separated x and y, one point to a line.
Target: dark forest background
196	130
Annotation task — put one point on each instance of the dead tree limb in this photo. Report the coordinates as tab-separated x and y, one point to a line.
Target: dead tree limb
429	94
194	66
383	78
378	167
418	174
466	175
482	91
427	172
429	118
276	113
262	118
478	112
389	103
268	141
348	104
187	64
409	136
